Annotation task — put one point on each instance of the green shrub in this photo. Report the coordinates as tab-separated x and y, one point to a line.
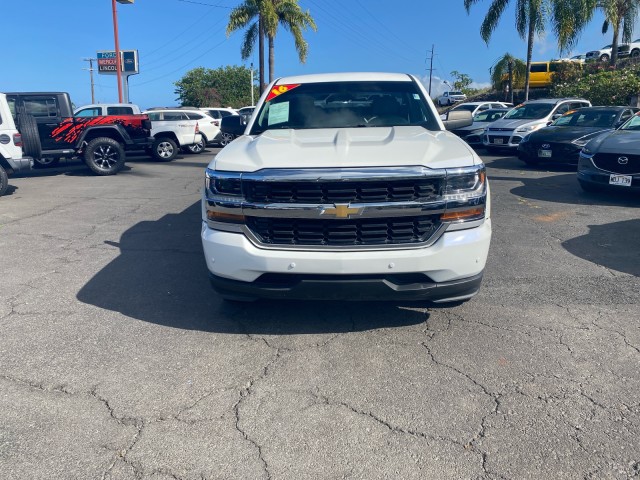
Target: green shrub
598	83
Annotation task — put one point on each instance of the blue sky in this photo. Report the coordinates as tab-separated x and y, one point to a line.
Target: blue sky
47	44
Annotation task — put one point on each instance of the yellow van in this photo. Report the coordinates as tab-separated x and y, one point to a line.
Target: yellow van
541	73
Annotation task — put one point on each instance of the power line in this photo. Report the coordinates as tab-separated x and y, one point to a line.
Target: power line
206	4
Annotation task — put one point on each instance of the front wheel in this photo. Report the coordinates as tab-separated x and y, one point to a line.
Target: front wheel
226	139
196	147
635	53
4	181
604	57
104	156
164	149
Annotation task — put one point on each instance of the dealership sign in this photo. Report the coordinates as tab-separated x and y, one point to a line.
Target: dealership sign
107	63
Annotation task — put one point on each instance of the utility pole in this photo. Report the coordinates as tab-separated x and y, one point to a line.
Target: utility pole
90	60
252	103
431	68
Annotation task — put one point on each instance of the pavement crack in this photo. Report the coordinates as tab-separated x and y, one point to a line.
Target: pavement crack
244	394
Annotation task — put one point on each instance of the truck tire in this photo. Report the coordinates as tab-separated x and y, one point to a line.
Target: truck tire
104	156
4	181
28	127
164	149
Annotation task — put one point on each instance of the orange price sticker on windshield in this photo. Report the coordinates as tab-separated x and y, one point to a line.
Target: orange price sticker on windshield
278	90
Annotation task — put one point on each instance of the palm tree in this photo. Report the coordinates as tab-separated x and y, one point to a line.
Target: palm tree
288	14
511	68
568	18
250	14
621	15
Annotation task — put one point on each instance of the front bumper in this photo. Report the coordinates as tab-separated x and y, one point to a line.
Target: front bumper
560	153
502	139
451	268
588	173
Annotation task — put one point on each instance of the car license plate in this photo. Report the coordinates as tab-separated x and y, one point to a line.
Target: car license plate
620	180
497	140
544	153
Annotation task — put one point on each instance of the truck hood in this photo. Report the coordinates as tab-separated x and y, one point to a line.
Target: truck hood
345	147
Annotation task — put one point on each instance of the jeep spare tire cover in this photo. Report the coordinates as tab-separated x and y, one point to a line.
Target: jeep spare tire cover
28	127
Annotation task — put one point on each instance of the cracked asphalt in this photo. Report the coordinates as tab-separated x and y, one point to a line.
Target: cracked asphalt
117	360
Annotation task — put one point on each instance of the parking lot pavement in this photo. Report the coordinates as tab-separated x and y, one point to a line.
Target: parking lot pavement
119	362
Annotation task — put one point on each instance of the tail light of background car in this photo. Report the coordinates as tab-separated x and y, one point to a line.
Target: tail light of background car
197	128
17	139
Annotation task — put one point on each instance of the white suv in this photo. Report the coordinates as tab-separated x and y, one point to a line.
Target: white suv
11	159
603	54
449	98
172	130
364	198
527	117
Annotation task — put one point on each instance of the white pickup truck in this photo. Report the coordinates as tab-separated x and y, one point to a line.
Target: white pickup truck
367	197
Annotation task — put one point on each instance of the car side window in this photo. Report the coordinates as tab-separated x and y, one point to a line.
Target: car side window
562	109
175	116
194	116
88	112
119	111
154	116
626	115
224	113
41	106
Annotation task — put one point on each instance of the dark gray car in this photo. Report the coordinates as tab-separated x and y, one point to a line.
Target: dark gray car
473	133
612	159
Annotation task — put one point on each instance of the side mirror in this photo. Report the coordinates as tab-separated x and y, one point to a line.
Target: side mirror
458	119
233	124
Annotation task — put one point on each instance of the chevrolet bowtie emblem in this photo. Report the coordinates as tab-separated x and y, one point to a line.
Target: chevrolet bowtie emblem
341	210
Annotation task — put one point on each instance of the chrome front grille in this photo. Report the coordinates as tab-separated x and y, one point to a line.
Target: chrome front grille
344	233
426	189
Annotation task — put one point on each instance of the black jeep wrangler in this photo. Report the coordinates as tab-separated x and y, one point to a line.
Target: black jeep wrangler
50	132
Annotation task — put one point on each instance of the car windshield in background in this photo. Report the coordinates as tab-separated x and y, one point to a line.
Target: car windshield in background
469	108
532	111
456	93
489	115
580	118
632	124
344	104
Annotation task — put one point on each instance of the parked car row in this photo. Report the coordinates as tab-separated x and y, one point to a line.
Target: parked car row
603	142
603	54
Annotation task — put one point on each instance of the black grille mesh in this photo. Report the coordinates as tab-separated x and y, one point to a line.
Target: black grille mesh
358	232
609	162
343	192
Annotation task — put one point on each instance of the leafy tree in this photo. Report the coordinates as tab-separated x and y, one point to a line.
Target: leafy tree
508	71
462	80
568	18
288	14
222	87
262	18
621	15
250	15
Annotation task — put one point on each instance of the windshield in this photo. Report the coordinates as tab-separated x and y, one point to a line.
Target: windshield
489	115
468	107
587	118
531	111
344	104
456	93
632	124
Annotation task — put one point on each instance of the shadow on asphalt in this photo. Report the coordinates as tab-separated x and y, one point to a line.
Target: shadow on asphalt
160	276
614	246
564	188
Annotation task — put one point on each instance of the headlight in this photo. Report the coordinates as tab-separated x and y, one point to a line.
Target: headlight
526	138
466	194
223	198
587	152
528	128
580	142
